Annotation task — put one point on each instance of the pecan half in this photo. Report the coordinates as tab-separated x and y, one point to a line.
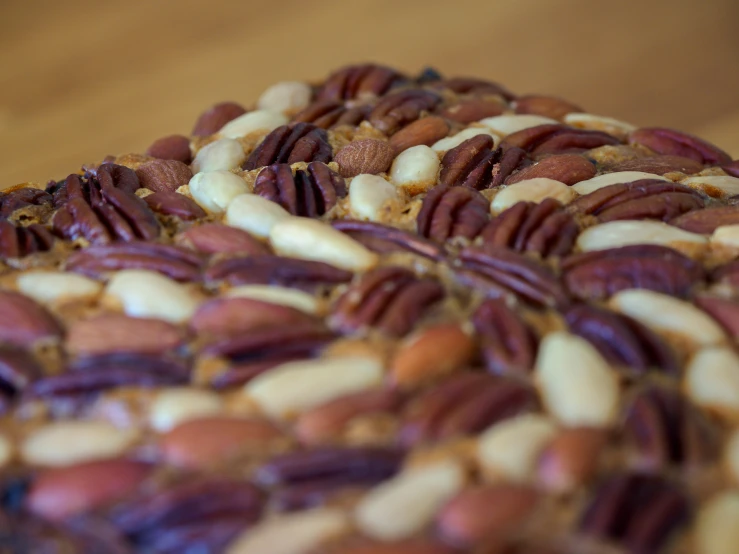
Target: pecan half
18	369
399	109
212	120
176	262
22	198
638	511
328	113
173	203
508	344
621	340
558	139
17	242
676	143
565	168
706	221
659	165
385	238
599	274
310	192
643	199
664	429
24	322
470	164
276	270
464	405
449	212
544	228
500	272
356	81
297	142
508	160
235	315
304	478
390	299
473	86
547	106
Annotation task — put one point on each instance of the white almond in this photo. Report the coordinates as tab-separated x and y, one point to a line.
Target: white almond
509	124
731	455
714	185
607	179
143	293
727	235
292	533
223	154
176	405
310	239
594	122
532	190
614	234
57	286
255	214
291	388
259	120
214	190
283	296
402	506
509	449
447	143
285	97
717	525
416	168
665	313
6	451
576	383
69	442
712	381
368	194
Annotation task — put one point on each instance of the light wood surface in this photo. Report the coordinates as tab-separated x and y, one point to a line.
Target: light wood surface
80	79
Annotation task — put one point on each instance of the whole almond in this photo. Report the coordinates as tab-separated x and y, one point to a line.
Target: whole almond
547	106
565	168
201	442
173	147
24	322
59	493
213	238
109	333
163	175
570	458
473	110
364	156
216	117
223	316
425	131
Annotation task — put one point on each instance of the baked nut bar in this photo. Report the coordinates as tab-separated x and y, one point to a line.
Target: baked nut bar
379	314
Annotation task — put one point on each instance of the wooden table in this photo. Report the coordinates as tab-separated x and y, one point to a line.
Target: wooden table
80	79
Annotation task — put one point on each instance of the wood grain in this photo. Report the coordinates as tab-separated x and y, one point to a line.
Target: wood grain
82	78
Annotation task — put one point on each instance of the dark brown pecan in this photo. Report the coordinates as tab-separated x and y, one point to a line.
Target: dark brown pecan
390	299
24	322
310	192
176	262
18	370
398	109
507	161
638	511
500	272
277	270
304	478
565	168
201	515
176	204
449	212
472	86
544	228
547	106
731	168
470	164
623	341
385	238
22	198
643	199
211	120
659	165
356	81
663	429
463	405
599	274
172	147
297	142
558	139
723	310
508	344
17	242
676	143
706	221
328	113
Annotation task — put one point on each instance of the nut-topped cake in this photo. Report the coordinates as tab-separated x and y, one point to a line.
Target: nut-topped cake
380	314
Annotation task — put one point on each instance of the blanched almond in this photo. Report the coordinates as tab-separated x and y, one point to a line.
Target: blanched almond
718	186
590	185
57	286
508	124
609	125
716	528
712	381
281	296
368	194
258	120
177	405
255	214
416	169
576	383
294	387
285	97
532	190
727	235
214	190
622	233
445	144
109	333
223	154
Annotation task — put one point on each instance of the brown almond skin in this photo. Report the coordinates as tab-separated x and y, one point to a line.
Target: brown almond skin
659	165
110	333
172	147
723	310
565	168
432	353
546	106
473	110
571	458
425	131
418	546
204	442
479	512
163	175
59	493
213	119
225	316
364	156
23	321
213	238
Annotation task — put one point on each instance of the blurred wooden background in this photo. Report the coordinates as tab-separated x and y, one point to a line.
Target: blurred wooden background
80	79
